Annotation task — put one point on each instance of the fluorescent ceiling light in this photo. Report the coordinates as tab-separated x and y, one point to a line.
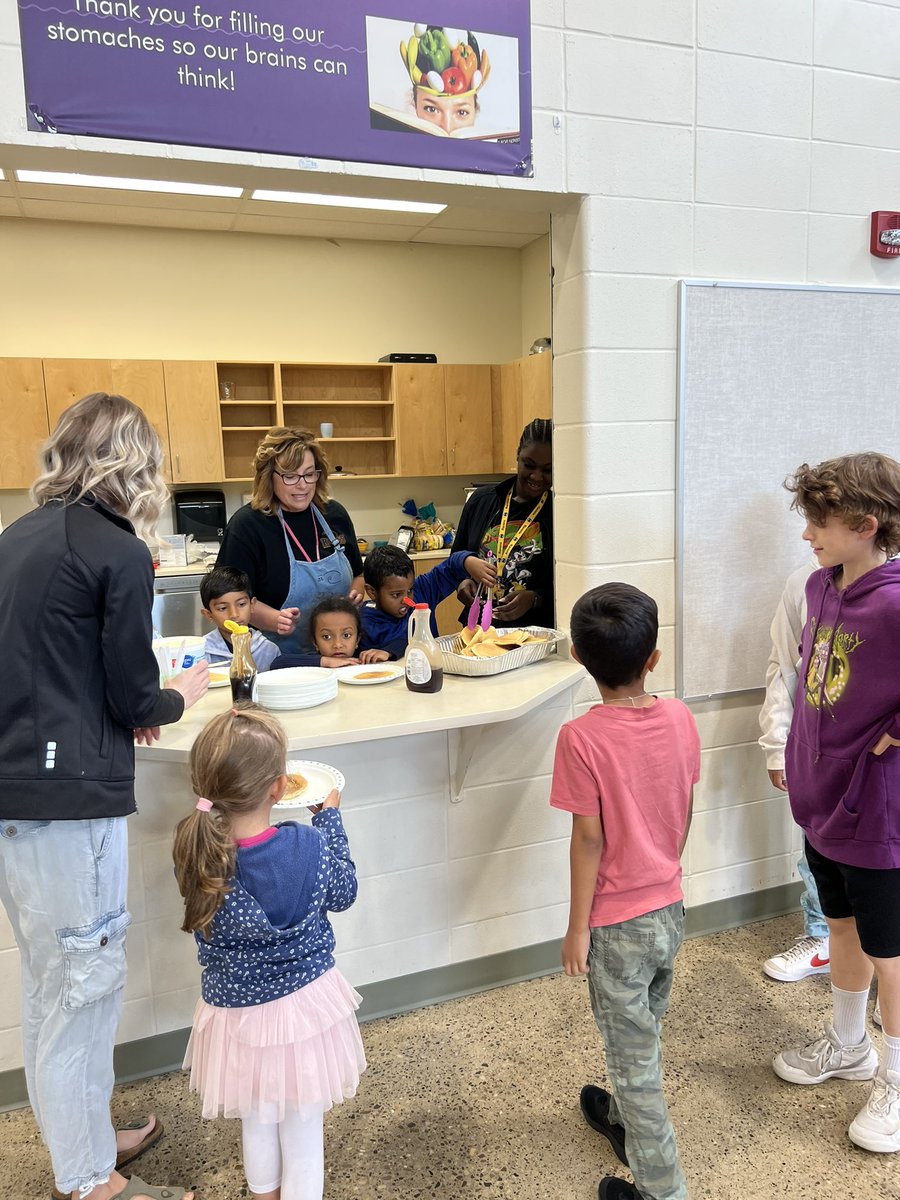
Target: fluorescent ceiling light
127	185
411	206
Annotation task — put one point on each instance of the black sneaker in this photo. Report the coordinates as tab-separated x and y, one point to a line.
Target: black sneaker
613	1188
595	1110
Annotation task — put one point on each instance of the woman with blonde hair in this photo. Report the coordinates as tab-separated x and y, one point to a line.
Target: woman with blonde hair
296	545
81	683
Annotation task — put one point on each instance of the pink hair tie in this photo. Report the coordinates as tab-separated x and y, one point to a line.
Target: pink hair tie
203	804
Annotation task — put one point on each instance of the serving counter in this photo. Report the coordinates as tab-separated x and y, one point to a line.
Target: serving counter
459	856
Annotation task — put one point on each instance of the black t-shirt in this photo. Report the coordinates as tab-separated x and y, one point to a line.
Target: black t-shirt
530	565
254	543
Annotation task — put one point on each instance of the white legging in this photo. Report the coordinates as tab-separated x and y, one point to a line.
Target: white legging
289	1154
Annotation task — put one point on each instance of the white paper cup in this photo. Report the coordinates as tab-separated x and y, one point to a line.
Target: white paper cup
176	654
326	429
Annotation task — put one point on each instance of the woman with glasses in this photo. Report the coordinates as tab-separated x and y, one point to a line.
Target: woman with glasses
296	545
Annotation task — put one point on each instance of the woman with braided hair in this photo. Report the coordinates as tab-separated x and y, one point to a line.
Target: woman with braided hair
511	523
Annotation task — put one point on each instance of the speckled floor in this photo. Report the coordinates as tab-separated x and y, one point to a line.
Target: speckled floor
479	1098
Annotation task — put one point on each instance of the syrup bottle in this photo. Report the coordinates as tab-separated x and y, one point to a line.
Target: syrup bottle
243	668
424	663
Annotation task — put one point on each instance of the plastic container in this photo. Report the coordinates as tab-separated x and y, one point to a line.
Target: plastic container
176	654
424	661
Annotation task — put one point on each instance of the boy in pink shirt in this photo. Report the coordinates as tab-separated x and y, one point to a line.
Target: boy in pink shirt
626	771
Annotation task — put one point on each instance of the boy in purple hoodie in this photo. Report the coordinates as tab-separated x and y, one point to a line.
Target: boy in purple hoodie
842	767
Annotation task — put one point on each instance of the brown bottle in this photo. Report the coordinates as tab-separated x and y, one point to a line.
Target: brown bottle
243	668
424	662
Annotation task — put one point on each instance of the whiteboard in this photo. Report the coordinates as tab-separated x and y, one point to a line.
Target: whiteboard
770	376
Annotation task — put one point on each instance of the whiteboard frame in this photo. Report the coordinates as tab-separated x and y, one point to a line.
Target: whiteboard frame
680	398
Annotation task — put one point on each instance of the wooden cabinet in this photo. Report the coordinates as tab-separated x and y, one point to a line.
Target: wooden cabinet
139	380
68	379
444	419
356	400
25	424
193	413
521	392
447	612
421	418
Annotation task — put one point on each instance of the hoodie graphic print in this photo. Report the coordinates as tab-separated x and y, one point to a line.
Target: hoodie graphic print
845	798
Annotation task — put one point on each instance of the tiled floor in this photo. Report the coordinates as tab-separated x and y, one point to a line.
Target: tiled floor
479	1098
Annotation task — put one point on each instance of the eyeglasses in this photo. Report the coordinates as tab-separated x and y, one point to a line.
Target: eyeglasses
309	477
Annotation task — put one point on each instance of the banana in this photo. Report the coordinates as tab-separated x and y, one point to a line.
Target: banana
403	51
412	53
416	75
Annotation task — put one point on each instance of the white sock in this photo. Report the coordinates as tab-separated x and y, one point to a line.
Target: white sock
849	1015
892	1053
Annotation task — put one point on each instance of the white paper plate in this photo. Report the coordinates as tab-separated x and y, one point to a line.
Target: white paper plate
320	777
224	681
356	674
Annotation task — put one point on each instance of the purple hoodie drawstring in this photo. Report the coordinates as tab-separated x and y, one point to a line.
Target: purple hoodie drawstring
824	679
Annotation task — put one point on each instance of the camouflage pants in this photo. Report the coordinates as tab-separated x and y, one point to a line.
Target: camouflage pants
631	966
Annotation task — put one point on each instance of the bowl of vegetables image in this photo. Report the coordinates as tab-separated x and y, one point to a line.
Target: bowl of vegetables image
447	69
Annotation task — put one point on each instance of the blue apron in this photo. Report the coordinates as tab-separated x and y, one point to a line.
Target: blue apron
309	583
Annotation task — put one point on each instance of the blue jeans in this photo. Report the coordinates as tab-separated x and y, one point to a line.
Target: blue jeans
63	885
630	979
814	923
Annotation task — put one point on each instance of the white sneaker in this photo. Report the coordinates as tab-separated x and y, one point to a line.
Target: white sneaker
807	956
826	1058
877	1125
876	1015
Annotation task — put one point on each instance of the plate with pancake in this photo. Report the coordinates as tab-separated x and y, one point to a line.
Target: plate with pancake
308	784
366	673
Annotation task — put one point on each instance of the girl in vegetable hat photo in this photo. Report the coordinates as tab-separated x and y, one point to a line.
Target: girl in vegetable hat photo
436	86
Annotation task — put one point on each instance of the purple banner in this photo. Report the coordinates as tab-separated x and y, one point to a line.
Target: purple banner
360	80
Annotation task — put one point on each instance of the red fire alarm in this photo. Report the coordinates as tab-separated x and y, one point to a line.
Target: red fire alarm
885	239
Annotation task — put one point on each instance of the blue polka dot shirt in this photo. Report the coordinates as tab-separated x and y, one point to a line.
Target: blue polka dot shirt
272	935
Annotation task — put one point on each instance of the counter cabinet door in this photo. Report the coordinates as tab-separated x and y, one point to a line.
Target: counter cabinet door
142	381
25	424
447	612
421	418
195	434
470	435
69	379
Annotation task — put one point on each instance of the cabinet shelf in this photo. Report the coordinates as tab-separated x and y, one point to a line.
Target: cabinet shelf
335	403
246	428
247	403
357	439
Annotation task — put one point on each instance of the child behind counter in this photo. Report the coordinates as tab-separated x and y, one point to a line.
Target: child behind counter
626	770
334	630
225	595
391	581
275	1039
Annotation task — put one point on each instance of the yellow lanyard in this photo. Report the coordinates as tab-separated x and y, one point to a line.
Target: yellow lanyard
503	552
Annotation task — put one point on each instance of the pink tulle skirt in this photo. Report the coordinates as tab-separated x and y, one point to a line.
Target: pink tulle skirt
298	1051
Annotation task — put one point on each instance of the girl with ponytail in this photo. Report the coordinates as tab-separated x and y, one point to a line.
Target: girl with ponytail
275	1039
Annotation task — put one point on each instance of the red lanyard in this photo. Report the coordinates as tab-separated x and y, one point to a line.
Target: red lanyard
293	538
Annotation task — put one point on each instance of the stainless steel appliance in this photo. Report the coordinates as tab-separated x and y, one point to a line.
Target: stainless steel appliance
176	606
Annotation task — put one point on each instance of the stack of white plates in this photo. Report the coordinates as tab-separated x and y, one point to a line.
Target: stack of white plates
296	687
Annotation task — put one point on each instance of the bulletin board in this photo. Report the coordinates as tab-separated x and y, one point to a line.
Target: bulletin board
770	376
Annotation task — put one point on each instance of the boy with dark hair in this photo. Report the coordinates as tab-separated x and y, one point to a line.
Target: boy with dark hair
626	771
843	771
225	595
391	581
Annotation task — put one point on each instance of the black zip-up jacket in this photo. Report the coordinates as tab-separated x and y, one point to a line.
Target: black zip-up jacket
78	669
